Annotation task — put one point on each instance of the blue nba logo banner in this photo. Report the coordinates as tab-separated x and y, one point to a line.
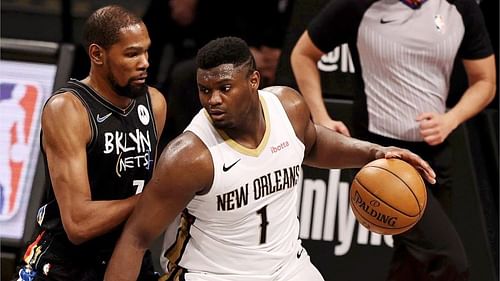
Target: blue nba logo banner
20	108
24	87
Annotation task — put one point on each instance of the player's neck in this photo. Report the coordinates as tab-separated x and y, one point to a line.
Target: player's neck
102	88
251	131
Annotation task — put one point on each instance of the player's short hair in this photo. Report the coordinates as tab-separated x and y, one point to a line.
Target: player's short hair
225	50
103	26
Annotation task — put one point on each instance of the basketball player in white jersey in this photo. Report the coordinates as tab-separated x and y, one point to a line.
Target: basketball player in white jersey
233	173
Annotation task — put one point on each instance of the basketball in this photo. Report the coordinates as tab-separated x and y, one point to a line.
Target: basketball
388	196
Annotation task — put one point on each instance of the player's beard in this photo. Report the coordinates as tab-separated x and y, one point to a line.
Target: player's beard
129	90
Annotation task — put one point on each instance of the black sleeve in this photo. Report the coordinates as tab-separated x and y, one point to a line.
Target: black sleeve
337	23
476	43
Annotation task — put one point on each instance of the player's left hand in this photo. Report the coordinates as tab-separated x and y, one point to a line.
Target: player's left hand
435	127
413	159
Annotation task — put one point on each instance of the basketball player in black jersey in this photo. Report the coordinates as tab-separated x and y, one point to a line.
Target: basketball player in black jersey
99	138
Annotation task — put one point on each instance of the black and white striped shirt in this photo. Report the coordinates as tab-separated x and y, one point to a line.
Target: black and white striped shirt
405	56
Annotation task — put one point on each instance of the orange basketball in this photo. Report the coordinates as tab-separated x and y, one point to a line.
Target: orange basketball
388	196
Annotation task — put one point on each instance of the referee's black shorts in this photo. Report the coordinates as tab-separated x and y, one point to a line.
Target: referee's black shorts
432	249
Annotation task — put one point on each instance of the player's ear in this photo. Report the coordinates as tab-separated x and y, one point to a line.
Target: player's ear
255	79
96	54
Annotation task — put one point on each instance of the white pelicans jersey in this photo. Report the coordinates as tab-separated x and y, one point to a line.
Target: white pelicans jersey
246	226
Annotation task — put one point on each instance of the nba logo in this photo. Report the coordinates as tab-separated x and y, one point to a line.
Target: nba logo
20	109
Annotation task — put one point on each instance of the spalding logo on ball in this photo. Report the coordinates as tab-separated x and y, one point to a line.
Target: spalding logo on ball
388	196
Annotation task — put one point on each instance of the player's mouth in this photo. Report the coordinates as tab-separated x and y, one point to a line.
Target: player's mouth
140	80
217	114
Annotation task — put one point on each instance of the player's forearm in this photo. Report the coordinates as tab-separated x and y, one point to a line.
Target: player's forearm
95	218
143	226
334	150
126	261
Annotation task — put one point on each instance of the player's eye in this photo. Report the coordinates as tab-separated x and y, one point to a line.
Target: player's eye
204	90
226	88
131	54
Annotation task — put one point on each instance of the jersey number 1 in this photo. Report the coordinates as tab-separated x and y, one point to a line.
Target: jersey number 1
263	226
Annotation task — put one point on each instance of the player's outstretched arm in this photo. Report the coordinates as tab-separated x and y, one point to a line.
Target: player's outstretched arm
334	150
328	149
183	170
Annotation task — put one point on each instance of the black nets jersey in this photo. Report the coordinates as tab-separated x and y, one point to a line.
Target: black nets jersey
120	161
